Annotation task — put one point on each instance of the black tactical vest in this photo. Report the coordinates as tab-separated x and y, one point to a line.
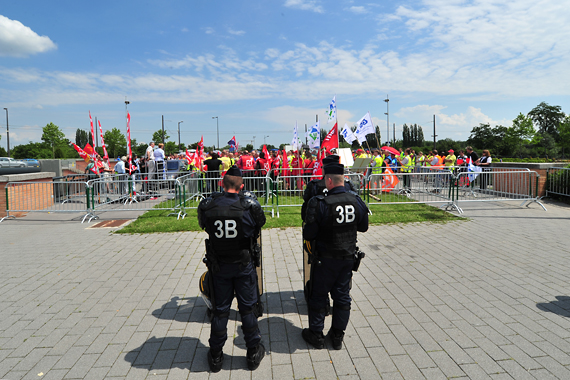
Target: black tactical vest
338	233
225	229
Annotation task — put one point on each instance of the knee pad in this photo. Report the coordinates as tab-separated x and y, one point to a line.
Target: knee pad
345	307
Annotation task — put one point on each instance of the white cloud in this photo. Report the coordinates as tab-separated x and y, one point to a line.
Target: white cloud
208	30
457	126
236	32
184	30
357	9
286	116
18	40
306	5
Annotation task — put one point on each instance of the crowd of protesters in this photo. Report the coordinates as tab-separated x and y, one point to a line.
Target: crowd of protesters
297	171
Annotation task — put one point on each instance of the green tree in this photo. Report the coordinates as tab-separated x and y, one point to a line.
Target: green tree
406	140
520	132
35	150
171	148
564	130
81	138
53	136
481	137
547	118
116	142
157	136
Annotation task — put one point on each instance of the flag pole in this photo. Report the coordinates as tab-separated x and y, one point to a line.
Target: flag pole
336	122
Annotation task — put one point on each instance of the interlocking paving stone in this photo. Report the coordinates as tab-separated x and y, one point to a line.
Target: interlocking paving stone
483	298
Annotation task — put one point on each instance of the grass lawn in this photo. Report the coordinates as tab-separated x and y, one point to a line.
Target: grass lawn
408	212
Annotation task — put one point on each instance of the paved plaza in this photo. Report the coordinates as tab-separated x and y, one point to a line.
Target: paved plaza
483	298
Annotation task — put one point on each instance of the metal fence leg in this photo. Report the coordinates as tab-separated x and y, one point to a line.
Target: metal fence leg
8	216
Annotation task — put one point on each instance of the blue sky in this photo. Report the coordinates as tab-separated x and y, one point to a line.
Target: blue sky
261	66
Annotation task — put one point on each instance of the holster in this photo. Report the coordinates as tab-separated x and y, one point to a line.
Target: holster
358	256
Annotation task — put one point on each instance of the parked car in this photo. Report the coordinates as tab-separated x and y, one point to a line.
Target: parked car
31	162
7	162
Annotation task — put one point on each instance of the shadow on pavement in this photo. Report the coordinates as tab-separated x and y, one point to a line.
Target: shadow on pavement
188	353
560	307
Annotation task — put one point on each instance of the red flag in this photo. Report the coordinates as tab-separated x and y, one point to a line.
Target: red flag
390	180
265	152
81	152
331	140
92	130
318	167
286	170
88	149
105	155
129	141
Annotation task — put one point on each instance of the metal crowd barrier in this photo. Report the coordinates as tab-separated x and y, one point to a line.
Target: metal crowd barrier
498	186
194	188
429	187
26	197
122	192
558	182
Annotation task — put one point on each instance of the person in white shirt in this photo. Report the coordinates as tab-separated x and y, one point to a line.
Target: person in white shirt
150	164
159	158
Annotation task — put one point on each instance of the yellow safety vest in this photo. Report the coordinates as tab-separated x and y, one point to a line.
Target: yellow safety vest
377	169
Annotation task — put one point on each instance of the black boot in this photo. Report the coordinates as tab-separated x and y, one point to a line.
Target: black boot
336	337
254	356
215	360
317	340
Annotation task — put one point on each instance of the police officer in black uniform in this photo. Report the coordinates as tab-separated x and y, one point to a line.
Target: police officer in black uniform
232	220
318	187
333	221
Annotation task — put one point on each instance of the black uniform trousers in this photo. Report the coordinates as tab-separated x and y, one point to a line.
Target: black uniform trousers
242	280
332	276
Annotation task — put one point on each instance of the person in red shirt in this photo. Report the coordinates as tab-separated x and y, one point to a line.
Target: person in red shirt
245	163
309	165
297	169
275	163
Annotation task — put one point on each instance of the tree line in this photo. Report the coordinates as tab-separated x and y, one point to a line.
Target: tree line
543	132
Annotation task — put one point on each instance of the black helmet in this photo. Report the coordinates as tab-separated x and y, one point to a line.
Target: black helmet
205	289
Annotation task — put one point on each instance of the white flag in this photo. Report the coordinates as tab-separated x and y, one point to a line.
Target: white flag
314	136
364	128
331	112
473	170
347	134
296	142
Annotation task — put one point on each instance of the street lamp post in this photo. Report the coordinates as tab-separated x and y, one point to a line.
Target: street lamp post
217	130
127	122
253	142
7	132
181	121
264	139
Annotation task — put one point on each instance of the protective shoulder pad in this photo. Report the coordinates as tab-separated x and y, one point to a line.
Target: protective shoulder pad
248	194
254	207
312	208
204	205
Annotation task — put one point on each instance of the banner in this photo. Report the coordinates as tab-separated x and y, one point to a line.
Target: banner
331	112
92	130
314	136
347	134
331	140
105	155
